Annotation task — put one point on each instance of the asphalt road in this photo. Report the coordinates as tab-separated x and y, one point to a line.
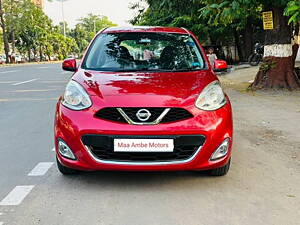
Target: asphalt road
261	188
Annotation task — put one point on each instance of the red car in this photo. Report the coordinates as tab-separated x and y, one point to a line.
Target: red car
220	65
143	99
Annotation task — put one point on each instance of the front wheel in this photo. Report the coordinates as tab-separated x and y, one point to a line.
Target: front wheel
65	170
254	59
221	171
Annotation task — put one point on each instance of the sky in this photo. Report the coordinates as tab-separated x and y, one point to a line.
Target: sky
116	10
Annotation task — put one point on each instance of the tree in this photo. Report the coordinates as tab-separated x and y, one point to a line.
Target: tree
62	46
277	70
242	16
4	31
11	13
293	11
172	13
32	27
203	17
238	17
26	27
87	28
81	37
93	23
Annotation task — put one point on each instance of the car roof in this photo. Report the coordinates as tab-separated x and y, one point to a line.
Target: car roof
145	29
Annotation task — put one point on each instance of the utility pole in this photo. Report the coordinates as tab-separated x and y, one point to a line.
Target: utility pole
12	26
95	26
63	17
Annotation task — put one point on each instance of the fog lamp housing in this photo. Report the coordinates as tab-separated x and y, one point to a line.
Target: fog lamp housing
221	151
65	150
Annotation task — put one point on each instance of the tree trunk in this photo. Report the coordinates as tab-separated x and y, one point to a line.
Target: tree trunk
248	39
4	33
296	42
29	54
295	52
277	70
41	54
13	41
238	45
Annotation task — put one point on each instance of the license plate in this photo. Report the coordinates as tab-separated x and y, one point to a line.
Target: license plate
143	145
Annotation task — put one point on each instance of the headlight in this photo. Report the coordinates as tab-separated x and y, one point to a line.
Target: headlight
211	98
75	97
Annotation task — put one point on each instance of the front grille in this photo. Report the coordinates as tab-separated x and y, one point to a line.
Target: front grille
174	115
111	114
102	147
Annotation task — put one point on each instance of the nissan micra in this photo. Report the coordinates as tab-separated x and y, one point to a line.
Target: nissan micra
143	99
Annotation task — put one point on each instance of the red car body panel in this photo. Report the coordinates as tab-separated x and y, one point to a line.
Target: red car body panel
144	89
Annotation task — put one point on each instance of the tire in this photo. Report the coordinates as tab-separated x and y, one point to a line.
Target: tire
254	59
65	170
221	171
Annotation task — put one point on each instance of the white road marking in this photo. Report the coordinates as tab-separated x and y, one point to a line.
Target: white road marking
51	81
53	149
1	223
24	82
1	213
17	195
44	67
11	71
22	91
26	99
40	169
7	82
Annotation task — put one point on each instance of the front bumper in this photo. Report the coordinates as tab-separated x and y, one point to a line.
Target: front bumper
71	126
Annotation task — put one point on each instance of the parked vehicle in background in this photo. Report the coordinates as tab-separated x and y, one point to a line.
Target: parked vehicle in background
255	58
53	58
2	59
220	65
19	59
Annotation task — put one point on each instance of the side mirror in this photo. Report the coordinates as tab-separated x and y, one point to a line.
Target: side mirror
220	65
70	65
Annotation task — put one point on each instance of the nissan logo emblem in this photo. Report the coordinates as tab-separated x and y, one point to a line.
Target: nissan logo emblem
143	115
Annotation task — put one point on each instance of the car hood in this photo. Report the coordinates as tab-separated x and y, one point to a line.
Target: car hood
173	87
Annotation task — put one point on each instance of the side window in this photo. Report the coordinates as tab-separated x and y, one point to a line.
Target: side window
196	55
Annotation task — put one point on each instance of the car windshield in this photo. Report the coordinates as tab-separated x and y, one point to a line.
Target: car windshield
144	52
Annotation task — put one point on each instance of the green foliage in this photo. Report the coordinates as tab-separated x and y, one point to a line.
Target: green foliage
175	13
223	13
87	28
216	22
34	34
267	65
293	11
213	21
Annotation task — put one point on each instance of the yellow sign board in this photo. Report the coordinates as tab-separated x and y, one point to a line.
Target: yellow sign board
268	20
